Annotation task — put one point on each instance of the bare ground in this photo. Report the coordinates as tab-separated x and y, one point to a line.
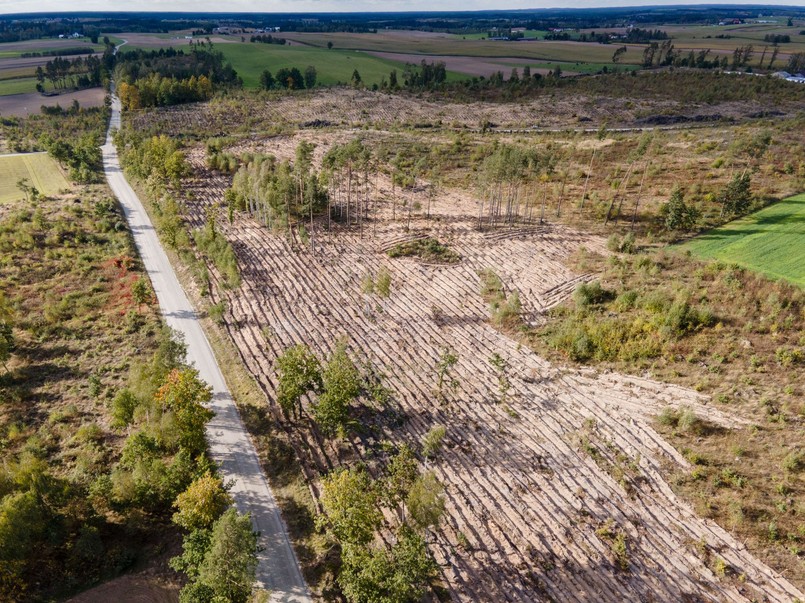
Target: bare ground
22	105
137	588
541	477
367	109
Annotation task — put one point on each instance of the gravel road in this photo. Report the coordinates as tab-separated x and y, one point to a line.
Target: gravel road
230	445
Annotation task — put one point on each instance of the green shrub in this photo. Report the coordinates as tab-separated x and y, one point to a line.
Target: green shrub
220	251
629	243
626	301
217	311
432	441
367	284
587	294
88	432
669	416
794	462
491	285
681	318
428	249
787	356
383	285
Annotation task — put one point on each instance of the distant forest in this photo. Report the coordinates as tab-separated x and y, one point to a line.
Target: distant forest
32	26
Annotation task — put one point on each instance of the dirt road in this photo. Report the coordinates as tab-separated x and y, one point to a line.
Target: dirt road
230	446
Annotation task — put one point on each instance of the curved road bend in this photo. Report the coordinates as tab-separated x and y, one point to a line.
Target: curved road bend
230	446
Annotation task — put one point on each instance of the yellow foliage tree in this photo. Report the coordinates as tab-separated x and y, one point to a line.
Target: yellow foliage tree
129	96
201	504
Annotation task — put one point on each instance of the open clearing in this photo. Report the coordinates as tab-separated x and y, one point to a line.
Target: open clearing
771	241
531	512
40	170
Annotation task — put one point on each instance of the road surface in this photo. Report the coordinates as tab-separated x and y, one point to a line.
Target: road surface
230	446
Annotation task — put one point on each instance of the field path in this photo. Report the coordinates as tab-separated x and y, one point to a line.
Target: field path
230	446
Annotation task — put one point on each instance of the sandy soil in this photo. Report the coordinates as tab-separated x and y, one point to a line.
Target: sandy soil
533	474
22	105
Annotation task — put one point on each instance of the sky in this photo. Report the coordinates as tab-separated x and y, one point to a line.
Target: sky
24	6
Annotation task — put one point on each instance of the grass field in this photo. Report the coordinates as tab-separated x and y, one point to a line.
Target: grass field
685	38
332	66
21	85
771	241
40	170
455	46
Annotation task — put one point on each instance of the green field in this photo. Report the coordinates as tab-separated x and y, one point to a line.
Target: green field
332	66
40	170
771	241
451	45
21	85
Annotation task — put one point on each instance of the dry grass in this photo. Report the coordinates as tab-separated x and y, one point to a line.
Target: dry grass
749	361
67	270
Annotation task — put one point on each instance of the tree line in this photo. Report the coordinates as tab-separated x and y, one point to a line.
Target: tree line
268	39
289	79
157	91
170	76
633	35
81	72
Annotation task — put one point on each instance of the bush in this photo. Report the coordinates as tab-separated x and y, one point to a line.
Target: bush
491	285
201	504
794	462
220	251
787	356
587	294
432	441
428	249
383	285
618	245
216	311
628	245
681	318
506	311
626	301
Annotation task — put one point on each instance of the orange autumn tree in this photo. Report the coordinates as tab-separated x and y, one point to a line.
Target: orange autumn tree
184	395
